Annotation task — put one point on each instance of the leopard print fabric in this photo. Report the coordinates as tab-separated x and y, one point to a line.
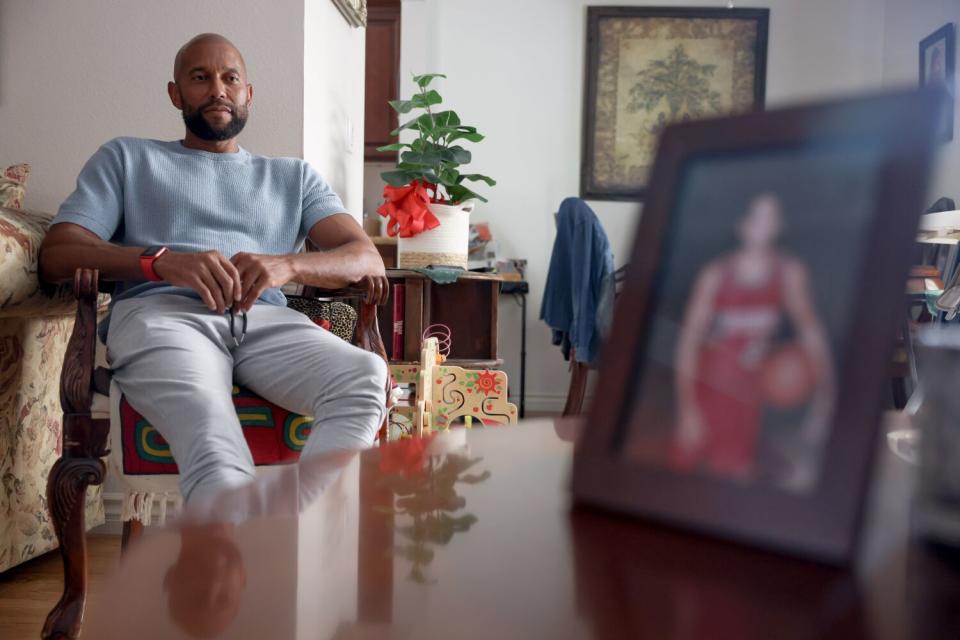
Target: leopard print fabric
341	317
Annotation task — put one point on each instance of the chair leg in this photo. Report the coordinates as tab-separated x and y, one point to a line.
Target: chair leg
577	390
66	498
132	532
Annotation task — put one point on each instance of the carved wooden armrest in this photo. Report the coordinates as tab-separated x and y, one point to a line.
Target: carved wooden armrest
81	438
368	331
343	292
80	465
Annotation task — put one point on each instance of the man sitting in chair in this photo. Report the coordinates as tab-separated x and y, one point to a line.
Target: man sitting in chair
200	233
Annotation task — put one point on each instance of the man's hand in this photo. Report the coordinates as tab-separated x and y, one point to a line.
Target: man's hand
377	288
347	257
208	273
260	272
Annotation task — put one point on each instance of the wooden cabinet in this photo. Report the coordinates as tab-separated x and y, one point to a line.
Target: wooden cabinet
382	78
469	307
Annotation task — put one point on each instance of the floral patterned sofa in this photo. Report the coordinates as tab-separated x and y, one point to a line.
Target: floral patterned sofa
35	325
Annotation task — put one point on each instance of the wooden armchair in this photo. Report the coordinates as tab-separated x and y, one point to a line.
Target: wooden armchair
85	439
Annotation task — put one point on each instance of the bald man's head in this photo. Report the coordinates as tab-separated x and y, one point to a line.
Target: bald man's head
204	38
210	88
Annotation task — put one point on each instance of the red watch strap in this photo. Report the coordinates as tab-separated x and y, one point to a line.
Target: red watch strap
146	265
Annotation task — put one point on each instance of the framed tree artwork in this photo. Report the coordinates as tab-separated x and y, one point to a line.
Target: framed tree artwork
650	66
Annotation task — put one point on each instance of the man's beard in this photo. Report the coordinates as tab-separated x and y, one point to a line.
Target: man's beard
199	126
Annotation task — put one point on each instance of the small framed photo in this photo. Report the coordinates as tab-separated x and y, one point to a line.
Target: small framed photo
741	386
354	11
938	69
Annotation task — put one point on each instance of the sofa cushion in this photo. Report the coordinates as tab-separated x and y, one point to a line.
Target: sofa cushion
21	293
12	181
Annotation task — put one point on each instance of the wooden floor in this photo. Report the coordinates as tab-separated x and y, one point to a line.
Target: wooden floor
29	591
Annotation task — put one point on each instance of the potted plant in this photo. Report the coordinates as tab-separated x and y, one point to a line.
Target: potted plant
427	203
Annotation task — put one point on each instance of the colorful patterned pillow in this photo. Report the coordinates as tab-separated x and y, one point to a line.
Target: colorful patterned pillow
274	435
12	181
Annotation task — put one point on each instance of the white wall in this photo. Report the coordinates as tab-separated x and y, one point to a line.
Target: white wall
373	186
333	79
516	72
907	23
75	74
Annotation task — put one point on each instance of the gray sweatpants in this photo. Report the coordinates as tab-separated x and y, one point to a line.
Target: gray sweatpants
176	363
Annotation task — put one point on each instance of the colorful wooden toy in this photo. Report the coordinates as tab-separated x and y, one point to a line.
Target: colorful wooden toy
444	393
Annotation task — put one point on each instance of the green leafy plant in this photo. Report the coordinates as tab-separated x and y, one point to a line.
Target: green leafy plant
434	158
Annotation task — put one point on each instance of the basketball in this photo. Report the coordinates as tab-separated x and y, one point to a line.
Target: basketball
787	378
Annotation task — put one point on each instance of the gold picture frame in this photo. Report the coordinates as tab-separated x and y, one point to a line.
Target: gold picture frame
650	66
354	11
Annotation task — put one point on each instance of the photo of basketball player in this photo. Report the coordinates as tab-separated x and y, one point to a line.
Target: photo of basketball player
755	303
733	360
936	73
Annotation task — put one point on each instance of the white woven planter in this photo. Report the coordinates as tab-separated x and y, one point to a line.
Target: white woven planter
446	245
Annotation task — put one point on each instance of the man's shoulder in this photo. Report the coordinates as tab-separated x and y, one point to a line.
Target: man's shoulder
280	162
134	142
291	168
127	146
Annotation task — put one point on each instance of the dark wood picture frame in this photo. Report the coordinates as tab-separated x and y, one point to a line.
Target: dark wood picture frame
947	35
589	190
821	524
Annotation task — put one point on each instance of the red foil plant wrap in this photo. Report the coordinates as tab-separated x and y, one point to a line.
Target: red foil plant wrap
407	210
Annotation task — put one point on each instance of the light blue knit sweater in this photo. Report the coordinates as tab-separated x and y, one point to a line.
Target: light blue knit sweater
138	192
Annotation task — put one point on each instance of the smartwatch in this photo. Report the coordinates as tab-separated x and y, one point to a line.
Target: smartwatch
147	258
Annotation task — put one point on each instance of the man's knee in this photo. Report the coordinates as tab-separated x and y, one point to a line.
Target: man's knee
378	370
368	369
364	380
350	413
